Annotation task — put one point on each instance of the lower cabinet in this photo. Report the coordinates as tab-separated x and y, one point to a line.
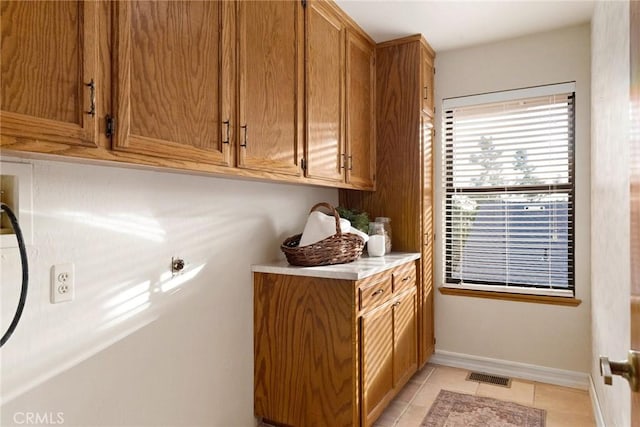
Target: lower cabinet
389	356
332	352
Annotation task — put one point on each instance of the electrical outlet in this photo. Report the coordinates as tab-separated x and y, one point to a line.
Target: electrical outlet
62	283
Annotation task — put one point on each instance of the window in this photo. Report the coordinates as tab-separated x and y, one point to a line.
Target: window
509	191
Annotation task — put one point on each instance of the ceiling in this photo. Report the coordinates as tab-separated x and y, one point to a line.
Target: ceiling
449	24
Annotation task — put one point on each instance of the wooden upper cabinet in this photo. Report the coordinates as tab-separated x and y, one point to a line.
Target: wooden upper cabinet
361	120
245	88
173	80
271	72
48	78
426	80
325	72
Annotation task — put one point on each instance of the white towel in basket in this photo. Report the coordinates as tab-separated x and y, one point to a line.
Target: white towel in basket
320	226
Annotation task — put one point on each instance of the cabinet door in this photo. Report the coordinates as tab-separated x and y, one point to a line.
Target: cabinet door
324	45
271	60
405	349
426	78
428	331
377	362
425	305
427	200
49	61
361	133
172	90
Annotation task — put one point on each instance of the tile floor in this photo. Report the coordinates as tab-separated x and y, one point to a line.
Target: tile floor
565	406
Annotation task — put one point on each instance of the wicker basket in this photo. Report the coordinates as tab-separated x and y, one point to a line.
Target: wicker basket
337	249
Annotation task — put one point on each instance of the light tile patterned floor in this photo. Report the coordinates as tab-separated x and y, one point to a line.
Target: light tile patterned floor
565	406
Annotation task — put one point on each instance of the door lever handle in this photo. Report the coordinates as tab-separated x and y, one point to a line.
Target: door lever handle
628	369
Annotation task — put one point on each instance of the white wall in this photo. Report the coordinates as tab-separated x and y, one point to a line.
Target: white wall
135	347
544	335
610	257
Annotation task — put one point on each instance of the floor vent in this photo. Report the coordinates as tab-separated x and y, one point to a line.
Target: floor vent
489	379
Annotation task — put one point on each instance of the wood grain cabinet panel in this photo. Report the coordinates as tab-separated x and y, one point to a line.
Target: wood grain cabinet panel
325	74
331	352
389	352
340	143
361	117
377	362
427	333
404	278
426	81
375	293
404	177
49	61
257	89
304	353
172	73
405	349
271	72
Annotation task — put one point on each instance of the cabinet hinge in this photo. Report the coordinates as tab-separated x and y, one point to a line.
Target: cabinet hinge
303	164
304	3
109	124
434	70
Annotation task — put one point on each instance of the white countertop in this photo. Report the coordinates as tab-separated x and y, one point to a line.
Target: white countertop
364	266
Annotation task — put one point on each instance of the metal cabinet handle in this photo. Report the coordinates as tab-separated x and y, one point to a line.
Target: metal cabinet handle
426	93
628	369
395	304
226	123
405	279
244	144
92	96
378	292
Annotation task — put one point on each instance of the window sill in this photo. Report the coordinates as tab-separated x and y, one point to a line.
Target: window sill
538	299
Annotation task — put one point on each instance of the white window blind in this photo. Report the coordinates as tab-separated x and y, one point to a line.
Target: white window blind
509	190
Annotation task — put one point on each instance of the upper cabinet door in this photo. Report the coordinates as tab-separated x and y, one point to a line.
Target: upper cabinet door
271	72
361	122
324	44
48	78
173	70
426	78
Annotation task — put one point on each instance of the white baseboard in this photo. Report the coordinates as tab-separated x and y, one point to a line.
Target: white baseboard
507	368
595	403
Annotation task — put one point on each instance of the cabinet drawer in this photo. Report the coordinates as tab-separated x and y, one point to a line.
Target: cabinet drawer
375	293
404	277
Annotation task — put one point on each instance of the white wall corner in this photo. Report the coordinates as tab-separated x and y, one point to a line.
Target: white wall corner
597	412
508	368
